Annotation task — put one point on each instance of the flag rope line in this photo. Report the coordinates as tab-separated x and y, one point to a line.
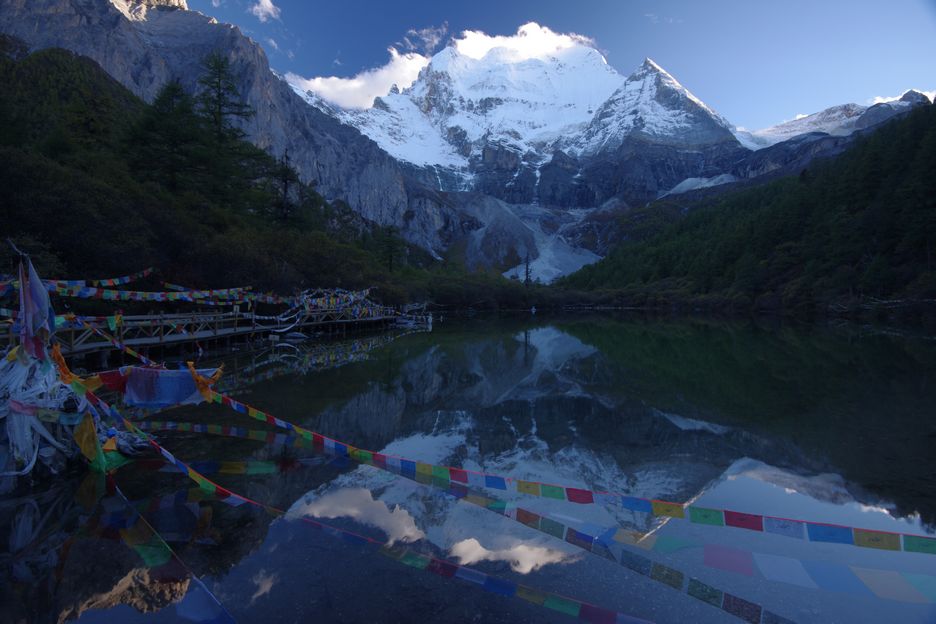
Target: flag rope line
800	529
604	545
569	606
174	554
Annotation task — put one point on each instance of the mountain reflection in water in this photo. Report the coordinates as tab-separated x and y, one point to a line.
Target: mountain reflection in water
827	425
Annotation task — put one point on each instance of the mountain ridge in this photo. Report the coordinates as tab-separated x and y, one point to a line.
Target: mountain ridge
507	136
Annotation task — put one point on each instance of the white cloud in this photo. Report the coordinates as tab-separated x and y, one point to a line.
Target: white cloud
216	3
359	91
265	10
881	98
800	116
359	504
521	557
531	41
425	40
264	583
273	43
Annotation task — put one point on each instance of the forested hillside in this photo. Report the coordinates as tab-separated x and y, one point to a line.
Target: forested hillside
858	227
93	181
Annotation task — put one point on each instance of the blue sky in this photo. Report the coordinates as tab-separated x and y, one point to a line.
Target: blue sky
757	62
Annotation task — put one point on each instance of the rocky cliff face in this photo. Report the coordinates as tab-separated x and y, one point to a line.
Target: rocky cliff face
499	155
143	44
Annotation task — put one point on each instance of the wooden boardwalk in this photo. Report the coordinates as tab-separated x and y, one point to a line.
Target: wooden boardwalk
175	329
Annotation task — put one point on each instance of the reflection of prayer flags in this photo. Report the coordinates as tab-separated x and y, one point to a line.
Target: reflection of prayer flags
636	504
579	539
877	539
440	472
915	543
496	483
498	506
669	576
889	585
472	576
633	561
415	560
924	583
669	544
829	533
551	527
528	518
597	615
576	495
442	568
727	558
500	586
663	508
783	569
408	468
739	607
530	595
701	515
781	526
744	521
562	605
834	577
552	491
528	487
456	474
425	469
705	593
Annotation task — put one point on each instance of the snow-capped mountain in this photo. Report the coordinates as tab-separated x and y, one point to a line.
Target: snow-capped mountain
493	122
651	104
840	120
460	105
523	147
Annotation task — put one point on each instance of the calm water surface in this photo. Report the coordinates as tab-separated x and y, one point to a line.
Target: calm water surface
830	425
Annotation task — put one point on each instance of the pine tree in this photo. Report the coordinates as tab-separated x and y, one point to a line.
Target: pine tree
220	101
167	139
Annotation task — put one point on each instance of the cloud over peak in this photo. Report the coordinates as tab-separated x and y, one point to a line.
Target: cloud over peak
265	10
892	98
530	41
358	92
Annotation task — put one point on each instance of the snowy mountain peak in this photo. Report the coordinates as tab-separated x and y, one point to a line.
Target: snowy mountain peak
136	9
915	97
522	97
651	104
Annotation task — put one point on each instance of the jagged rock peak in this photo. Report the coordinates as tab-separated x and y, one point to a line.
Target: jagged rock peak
136	9
915	97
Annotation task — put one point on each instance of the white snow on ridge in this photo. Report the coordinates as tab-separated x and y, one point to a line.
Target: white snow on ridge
691	184
400	128
524	92
836	120
650	101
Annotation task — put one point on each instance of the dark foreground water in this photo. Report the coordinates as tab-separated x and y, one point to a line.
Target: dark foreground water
828	425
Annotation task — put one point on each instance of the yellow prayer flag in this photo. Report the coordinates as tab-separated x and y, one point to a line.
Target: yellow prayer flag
86	437
673	510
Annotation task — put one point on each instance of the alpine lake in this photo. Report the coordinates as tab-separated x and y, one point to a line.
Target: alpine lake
830	426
